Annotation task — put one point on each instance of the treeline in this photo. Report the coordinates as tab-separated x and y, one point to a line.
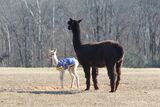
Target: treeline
28	28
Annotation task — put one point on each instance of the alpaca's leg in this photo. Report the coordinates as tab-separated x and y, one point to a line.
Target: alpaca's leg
112	75
118	70
61	78
94	77
87	76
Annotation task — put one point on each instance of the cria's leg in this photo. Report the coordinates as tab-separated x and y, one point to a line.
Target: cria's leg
118	70
72	76
75	73
87	76
77	80
94	77
61	78
112	75
73	79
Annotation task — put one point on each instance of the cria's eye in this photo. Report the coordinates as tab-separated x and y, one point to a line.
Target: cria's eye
52	54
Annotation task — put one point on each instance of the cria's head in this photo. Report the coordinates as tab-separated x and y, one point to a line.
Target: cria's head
52	52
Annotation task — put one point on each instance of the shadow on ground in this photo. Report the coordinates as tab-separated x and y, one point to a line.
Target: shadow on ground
60	92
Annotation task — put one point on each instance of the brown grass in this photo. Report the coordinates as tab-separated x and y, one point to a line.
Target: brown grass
40	87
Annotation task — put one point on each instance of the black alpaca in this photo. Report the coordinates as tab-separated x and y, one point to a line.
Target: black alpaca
99	54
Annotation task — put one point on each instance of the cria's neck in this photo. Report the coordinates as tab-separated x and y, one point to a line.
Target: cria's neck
54	60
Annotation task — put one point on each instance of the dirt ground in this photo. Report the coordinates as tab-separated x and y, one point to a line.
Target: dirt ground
40	87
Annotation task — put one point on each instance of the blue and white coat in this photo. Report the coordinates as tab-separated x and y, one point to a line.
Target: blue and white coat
63	64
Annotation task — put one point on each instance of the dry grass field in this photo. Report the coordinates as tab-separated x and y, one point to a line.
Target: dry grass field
40	87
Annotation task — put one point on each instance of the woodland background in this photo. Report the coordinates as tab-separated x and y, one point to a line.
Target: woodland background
28	28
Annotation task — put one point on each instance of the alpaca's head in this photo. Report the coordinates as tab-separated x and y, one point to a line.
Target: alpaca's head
73	23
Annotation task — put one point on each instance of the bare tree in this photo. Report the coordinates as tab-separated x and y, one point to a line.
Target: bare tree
28	28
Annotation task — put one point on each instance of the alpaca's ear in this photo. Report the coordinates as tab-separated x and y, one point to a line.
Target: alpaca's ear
80	20
70	19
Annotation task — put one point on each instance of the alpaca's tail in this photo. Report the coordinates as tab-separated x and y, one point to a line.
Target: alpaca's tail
120	53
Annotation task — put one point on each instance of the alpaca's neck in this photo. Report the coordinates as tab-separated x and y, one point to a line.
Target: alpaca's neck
54	60
76	38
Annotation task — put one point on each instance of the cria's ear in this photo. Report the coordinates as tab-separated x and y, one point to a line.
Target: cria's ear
50	50
80	20
55	50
